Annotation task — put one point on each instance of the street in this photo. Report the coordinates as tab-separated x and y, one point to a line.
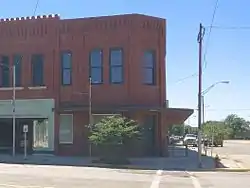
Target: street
35	176
236	151
232	147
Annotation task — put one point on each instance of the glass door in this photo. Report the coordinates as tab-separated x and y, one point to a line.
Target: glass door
40	135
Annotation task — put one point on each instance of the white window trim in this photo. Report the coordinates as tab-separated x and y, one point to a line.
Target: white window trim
37	87
10	88
72	141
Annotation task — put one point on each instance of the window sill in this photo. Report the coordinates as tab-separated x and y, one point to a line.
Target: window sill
96	83
10	88
37	87
66	143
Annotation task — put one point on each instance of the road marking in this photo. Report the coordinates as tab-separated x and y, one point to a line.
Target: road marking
195	181
157	179
22	186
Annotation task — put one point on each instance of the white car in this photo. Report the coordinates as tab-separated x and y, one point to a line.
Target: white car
190	139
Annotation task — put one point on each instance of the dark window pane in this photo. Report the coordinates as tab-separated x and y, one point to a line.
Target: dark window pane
148	59
66	68
17	59
66	76
116	74
6	78
37	70
148	76
116	57
5	71
66	60
96	75
96	58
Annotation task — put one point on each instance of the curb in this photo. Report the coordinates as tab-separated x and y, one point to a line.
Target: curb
232	170
149	169
120	166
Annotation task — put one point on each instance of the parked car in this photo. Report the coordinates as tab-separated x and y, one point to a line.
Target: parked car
190	139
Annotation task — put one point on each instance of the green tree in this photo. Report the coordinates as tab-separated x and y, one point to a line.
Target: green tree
191	130
181	129
177	130
237	124
216	128
111	133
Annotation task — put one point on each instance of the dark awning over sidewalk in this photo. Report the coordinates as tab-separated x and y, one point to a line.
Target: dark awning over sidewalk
177	115
173	115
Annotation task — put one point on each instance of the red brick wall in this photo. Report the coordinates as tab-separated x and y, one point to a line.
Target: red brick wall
49	36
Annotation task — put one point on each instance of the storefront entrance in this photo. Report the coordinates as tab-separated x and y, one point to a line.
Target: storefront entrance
37	136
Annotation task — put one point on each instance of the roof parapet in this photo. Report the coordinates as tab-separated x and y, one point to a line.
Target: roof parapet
50	16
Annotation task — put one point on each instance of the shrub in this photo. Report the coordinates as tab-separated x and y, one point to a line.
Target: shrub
111	134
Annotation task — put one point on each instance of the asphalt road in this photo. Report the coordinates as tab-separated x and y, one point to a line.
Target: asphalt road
235	153
28	176
234	147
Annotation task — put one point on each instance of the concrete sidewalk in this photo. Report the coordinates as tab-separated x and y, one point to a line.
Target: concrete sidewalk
180	163
235	161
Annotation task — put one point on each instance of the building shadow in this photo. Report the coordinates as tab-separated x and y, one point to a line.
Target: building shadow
179	159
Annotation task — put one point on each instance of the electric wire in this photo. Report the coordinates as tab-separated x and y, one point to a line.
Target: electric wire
37	3
206	46
230	27
209	34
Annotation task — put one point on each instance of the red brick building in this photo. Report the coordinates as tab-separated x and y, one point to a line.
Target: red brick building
54	58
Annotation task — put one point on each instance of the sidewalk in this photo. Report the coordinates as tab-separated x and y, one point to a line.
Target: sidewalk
180	163
46	160
236	161
233	161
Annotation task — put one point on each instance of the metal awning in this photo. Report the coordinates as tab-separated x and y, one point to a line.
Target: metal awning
173	115
177	115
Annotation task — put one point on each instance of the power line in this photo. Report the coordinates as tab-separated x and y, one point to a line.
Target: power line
37	3
206	47
228	109
209	34
231	27
187	77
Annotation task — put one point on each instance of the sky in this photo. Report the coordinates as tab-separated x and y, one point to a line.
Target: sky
227	50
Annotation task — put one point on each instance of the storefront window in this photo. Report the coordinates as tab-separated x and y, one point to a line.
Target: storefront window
40	131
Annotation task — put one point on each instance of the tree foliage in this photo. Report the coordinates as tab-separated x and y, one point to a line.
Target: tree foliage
232	126
114	130
216	128
237	124
181	129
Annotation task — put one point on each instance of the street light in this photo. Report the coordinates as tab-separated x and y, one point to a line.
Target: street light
89	93
203	93
13	68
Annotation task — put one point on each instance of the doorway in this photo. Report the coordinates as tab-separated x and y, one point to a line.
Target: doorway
37	135
150	123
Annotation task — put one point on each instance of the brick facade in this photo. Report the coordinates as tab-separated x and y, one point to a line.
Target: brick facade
50	35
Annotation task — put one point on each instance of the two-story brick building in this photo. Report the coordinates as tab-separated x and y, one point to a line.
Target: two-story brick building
125	57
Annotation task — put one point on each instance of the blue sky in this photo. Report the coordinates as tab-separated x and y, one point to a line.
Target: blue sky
228	51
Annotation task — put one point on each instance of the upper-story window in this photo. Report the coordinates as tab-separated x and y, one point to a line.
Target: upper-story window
17	61
5	70
96	66
37	61
66	68
149	64
116	65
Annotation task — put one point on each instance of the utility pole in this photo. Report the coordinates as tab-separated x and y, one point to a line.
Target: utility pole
14	110
200	39
90	113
